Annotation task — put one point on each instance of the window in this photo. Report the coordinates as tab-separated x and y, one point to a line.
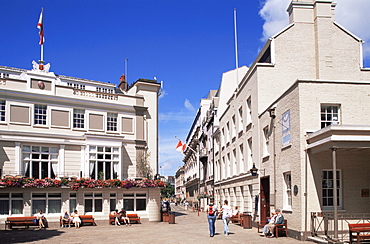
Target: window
11	203
112	122
249	111
249	154
233	129
134	201
288	191
235	163
93	202
328	188
40	114
227	133
79	118
103	162
241	158
72	201
49	203
40	162
112	201
265	143
2	110
240	117
329	115
228	165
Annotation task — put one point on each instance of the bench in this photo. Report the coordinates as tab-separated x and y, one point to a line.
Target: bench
132	217
278	228
281	228
20	221
85	219
359	232
237	219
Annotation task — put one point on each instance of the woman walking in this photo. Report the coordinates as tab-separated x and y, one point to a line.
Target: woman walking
226	214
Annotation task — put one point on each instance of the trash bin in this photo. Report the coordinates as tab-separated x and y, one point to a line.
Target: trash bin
247	221
171	219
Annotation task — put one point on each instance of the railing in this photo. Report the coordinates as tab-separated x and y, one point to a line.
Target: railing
322	224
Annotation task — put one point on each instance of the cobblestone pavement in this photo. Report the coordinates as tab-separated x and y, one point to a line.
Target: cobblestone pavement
188	228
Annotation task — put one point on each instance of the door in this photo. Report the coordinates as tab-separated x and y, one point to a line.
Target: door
265	198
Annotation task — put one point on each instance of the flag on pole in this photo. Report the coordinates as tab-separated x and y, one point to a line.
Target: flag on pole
40	26
180	147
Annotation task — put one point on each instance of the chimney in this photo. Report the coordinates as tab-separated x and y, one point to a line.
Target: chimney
307	11
122	83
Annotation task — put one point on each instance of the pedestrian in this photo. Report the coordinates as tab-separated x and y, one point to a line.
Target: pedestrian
211	211
226	215
279	219
41	219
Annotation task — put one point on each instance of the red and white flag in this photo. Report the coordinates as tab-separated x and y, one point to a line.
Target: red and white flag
40	26
180	147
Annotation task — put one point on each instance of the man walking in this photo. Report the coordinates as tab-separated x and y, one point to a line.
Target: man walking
211	211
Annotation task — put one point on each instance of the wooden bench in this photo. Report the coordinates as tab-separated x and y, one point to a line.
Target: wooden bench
281	228
278	228
85	219
359	232
20	221
132	217
237	219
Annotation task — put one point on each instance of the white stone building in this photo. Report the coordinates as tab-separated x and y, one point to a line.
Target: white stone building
55	126
298	113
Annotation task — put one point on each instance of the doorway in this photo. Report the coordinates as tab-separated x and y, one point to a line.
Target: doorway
265	198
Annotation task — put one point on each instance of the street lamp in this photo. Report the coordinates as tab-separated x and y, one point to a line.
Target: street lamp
254	170
272	113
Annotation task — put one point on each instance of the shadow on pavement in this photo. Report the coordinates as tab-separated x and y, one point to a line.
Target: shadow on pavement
27	235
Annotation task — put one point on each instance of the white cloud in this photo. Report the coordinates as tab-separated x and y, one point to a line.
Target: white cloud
352	14
188	105
275	16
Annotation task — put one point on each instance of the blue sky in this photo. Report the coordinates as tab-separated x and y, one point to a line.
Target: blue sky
185	44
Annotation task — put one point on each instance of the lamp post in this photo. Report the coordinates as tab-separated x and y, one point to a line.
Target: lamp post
254	170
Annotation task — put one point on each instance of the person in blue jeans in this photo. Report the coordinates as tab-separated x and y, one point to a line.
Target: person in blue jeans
211	211
226	215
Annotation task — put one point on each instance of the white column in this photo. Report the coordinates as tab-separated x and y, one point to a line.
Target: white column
61	161
84	162
18	162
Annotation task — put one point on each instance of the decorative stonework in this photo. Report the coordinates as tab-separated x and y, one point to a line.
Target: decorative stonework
40	67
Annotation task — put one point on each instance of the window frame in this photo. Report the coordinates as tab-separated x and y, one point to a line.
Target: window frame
46	198
112	122
10	199
40	112
79	123
135	197
327	121
288	200
94	197
29	161
339	188
97	157
2	111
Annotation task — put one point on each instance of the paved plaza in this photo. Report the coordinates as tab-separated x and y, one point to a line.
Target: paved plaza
189	228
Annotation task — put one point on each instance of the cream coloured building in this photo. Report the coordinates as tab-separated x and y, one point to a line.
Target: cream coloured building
298	114
55	126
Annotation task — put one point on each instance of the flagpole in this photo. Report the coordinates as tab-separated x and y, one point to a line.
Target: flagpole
236	48
40	25
42	54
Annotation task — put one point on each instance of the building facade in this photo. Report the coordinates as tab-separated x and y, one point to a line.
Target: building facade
297	114
61	127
